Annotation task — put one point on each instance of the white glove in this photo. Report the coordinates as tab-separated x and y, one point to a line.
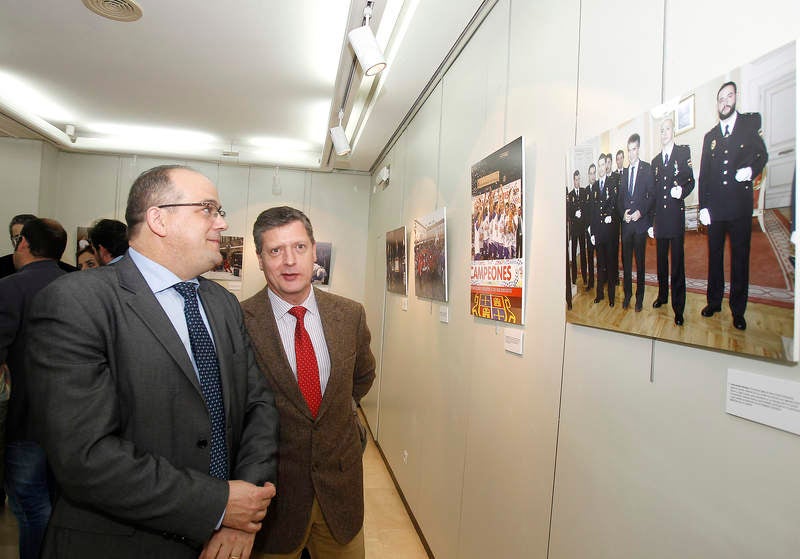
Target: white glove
650	233
578	214
744	174
793	238
589	229
607	219
704	216
676	192
592	239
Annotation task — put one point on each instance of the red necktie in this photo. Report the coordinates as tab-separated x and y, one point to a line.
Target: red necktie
307	369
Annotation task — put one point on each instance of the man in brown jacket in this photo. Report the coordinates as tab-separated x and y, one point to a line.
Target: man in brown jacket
314	349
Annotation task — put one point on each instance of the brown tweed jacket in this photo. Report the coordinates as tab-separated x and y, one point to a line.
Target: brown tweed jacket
319	457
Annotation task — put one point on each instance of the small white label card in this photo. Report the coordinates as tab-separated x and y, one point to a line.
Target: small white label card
768	400
512	340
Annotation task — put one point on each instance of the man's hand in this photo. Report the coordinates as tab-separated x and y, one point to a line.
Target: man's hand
744	174
704	216
607	219
247	505
578	214
627	216
651	233
592	239
676	192
636	216
229	543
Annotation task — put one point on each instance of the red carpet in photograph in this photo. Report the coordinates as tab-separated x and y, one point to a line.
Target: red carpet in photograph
771	273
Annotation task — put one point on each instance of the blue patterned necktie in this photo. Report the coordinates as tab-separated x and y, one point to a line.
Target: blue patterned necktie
205	357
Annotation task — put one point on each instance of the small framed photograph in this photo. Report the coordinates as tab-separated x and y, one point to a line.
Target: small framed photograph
684	115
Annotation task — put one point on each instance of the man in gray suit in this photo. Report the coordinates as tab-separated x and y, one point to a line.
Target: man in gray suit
313	347
157	422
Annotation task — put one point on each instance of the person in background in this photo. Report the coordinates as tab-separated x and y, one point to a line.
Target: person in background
37	250
14	229
86	258
109	238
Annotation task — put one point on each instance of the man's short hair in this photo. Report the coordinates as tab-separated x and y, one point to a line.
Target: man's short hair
111	235
278	217
19	219
152	188
635	139
576	173
46	238
620	152
602	157
592	166
726	84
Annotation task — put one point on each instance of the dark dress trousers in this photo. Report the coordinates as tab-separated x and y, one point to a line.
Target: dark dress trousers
603	205
122	417
634	234
318	457
730	204
669	222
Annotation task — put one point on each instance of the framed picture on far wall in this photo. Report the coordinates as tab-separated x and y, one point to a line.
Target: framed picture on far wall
684	115
322	267
396	260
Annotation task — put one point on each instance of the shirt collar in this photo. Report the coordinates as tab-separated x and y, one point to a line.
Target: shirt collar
158	277
730	121
280	307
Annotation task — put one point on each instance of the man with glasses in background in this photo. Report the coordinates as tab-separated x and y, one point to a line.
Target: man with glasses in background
161	430
37	249
14	229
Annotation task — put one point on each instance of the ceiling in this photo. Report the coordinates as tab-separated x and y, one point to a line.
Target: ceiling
261	80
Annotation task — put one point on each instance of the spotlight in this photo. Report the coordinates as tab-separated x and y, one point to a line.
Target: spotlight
70	132
363	41
340	143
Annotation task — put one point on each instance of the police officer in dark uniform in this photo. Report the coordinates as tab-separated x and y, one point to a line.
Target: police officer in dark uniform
734	154
577	226
674	181
604	228
587	210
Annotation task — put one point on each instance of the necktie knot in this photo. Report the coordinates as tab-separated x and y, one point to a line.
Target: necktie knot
187	289
298	312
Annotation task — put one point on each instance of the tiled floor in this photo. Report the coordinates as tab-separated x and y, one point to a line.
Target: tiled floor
388	530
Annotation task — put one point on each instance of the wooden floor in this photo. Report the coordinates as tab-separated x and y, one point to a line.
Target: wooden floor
388	531
769	328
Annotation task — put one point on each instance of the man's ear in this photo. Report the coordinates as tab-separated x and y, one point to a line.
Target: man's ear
258	259
156	221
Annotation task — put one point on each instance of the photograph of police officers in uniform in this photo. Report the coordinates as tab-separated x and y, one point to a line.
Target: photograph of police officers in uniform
430	255
680	221
396	260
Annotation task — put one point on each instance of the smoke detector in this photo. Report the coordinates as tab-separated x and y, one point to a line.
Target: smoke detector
118	10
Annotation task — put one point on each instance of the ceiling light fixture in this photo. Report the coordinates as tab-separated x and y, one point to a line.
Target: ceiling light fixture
366	47
339	138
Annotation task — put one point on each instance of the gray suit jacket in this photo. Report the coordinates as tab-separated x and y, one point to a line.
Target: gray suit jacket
319	457
123	420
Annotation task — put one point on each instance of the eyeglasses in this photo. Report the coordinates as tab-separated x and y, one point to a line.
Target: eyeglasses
211	209
15	240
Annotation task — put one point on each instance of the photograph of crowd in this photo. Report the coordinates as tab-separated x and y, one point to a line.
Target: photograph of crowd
396	260
681	221
430	256
497	267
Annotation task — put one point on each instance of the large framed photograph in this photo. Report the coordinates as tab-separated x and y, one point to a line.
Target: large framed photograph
687	238
497	270
396	261
684	115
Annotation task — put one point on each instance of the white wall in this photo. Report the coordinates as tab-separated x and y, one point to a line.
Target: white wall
77	189
568	451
